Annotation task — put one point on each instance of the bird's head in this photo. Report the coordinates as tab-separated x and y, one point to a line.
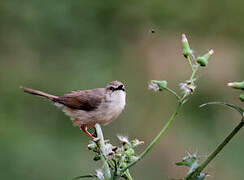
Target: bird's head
115	90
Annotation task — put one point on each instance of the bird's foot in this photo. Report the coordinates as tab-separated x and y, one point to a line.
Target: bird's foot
84	128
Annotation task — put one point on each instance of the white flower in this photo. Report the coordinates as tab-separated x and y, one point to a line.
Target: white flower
123	139
99	174
153	86
184	87
187	88
108	149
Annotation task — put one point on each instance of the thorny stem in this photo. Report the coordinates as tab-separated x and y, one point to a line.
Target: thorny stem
198	170
155	140
101	143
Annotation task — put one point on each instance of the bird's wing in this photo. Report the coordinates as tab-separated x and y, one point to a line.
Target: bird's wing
86	100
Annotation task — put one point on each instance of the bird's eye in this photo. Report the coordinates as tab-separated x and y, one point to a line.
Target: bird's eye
121	87
111	88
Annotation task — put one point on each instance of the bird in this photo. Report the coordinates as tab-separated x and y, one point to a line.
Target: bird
91	106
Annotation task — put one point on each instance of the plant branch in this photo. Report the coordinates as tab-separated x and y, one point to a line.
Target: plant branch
198	170
193	74
101	144
189	61
127	174
155	140
173	92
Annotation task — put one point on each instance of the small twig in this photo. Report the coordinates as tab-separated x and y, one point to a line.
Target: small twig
189	61
193	75
173	92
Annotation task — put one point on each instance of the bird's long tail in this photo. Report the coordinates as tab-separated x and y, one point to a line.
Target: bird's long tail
39	93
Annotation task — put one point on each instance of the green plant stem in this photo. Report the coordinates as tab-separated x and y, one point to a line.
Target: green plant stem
198	170
181	101
194	70
193	75
128	176
173	92
189	61
106	170
155	140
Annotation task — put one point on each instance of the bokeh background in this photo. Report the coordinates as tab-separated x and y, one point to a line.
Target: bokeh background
59	45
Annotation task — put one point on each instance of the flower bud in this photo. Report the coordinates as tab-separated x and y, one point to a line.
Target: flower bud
97	157
123	165
133	158
92	146
203	60
186	50
242	97
136	142
189	161
157	85
130	152
237	85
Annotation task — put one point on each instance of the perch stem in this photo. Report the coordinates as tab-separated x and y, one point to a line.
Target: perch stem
101	144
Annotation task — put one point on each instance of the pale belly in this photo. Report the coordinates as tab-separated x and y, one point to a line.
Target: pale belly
103	115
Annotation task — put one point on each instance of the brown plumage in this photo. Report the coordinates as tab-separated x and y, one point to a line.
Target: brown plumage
39	93
88	107
86	100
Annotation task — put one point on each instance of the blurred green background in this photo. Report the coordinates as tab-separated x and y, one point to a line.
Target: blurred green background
60	45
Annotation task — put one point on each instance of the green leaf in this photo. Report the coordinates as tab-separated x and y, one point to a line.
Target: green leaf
237	108
85	176
188	161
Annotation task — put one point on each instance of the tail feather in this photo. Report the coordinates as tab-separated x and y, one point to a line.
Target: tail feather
39	93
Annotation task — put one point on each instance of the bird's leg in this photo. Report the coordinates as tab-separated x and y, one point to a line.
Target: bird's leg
94	133
83	127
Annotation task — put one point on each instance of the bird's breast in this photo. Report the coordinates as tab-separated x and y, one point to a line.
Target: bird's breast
112	107
107	111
